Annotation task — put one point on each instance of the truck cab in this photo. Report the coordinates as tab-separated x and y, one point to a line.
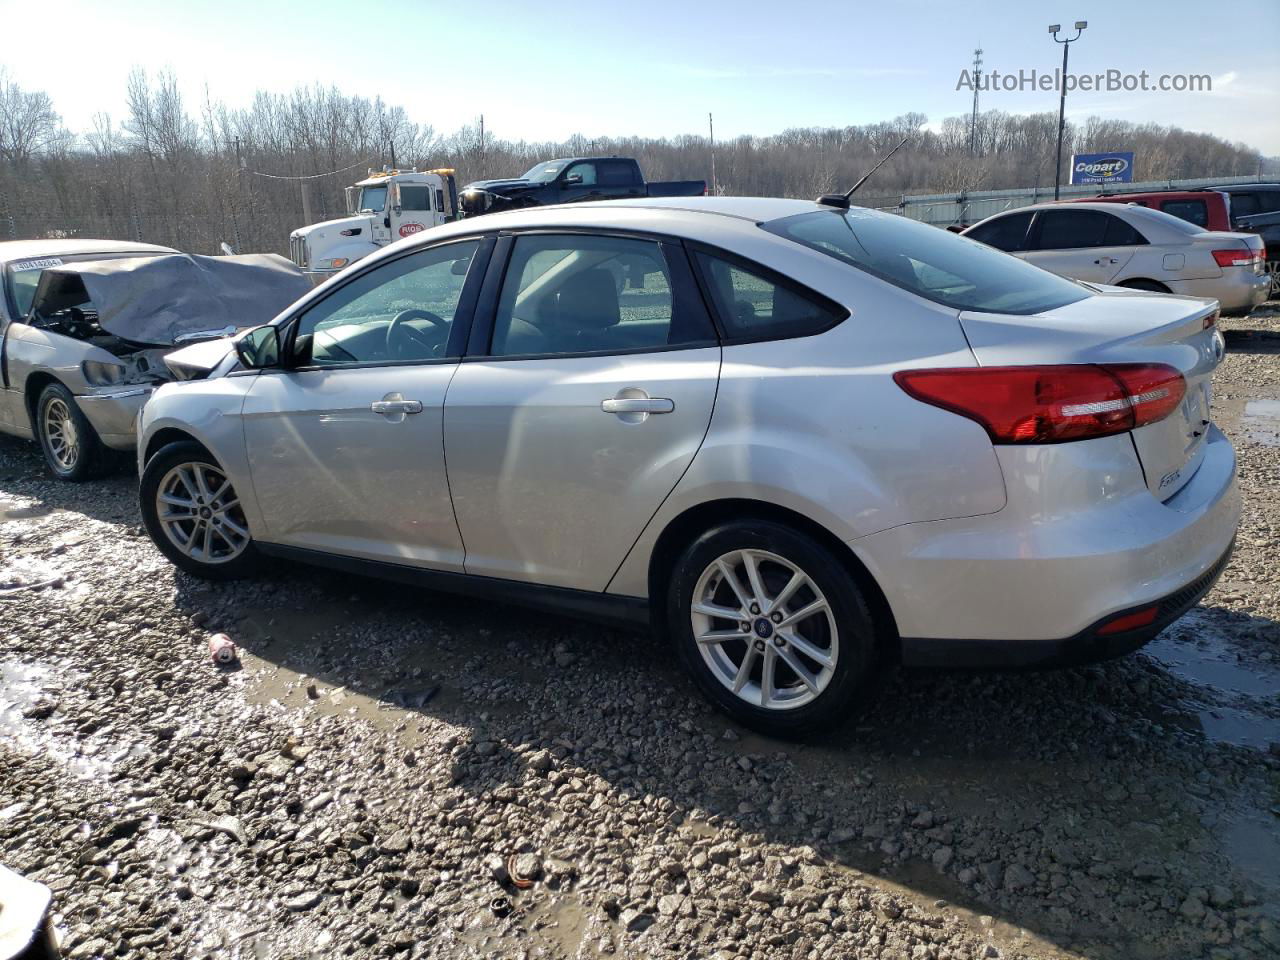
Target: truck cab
382	208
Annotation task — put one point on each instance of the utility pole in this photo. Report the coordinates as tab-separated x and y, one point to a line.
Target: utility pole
482	146
973	124
1062	99
305	185
711	130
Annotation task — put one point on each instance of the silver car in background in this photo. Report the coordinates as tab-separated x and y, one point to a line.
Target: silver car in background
1127	245
800	440
85	326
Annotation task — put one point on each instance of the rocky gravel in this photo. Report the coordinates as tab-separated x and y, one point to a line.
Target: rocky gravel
389	772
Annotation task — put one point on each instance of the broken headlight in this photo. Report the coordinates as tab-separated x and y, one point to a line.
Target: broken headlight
101	374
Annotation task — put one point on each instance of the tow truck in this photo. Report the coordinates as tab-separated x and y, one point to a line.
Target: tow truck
384	207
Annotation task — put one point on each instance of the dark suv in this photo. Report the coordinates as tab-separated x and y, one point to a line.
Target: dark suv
1255	208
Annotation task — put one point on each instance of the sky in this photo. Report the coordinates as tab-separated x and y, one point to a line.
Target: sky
545	71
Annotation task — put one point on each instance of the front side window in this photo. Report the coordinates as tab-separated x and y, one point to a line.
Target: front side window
587	171
1007	233
590	294
373	198
935	264
754	307
401	311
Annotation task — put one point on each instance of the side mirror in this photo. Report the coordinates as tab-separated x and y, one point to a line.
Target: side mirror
259	348
572	180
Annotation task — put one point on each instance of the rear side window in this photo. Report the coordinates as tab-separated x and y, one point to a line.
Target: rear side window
1121	234
935	264
1004	233
573	294
1192	211
1072	229
615	173
1243	204
752	306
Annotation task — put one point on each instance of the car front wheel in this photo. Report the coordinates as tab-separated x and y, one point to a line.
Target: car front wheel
773	628
193	514
71	446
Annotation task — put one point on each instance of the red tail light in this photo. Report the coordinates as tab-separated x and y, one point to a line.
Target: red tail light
1236	258
1051	404
1131	621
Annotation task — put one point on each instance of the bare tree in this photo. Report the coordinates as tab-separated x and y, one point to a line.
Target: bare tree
28	122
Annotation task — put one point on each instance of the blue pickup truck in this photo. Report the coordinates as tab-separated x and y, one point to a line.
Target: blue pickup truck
571	180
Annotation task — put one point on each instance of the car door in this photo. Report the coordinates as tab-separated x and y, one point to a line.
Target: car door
345	448
1074	243
585	395
411	209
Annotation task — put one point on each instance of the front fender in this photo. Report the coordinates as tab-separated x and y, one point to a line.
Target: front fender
209	412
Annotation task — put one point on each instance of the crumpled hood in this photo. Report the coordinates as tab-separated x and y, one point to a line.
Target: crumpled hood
197	360
167	300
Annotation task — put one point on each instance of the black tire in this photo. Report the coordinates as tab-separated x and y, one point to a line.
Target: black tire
87	458
1151	286
157	472
847	690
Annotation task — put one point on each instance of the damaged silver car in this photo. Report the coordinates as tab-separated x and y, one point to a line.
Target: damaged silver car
85	326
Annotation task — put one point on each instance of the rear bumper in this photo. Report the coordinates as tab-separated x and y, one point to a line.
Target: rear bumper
1237	290
115	415
1088	646
1080	541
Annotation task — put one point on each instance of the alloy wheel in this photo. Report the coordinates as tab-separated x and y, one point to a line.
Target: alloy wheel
200	513
61	434
765	629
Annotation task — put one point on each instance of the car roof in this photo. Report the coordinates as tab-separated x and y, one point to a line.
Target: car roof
11	250
1246	187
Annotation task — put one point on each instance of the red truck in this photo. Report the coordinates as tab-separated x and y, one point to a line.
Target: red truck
1204	208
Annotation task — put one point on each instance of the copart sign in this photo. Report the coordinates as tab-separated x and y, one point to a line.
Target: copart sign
1102	168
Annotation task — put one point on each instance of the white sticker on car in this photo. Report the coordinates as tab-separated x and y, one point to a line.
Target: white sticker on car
42	264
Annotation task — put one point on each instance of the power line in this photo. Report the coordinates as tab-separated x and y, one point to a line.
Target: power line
313	176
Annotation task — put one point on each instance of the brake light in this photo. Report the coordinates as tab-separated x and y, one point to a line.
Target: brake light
1236	258
1051	404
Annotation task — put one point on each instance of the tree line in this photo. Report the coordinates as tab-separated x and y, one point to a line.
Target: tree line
197	175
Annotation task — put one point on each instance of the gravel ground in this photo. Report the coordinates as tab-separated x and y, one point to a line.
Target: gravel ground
390	772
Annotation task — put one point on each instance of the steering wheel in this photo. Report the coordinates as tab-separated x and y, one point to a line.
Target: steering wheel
400	336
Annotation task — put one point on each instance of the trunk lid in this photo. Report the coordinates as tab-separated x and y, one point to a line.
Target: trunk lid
1122	327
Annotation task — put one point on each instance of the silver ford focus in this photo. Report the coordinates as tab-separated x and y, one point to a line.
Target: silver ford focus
802	441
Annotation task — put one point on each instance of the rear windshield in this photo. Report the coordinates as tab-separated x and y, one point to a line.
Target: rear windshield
933	263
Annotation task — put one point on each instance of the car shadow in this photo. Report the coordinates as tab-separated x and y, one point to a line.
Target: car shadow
974	789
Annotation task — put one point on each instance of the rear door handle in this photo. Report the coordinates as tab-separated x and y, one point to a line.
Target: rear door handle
637	405
1101	260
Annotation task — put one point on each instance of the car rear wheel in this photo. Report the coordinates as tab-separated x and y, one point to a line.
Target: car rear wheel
773	628
193	514
70	444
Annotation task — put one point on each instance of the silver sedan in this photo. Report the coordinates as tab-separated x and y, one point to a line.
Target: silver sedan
799	439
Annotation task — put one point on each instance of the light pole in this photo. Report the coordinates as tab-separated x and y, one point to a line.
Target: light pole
1062	99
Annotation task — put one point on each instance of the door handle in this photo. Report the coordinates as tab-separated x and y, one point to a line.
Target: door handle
1101	260
394	407
637	405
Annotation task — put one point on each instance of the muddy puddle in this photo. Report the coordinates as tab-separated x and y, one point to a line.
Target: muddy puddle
1236	695
1261	422
28	706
